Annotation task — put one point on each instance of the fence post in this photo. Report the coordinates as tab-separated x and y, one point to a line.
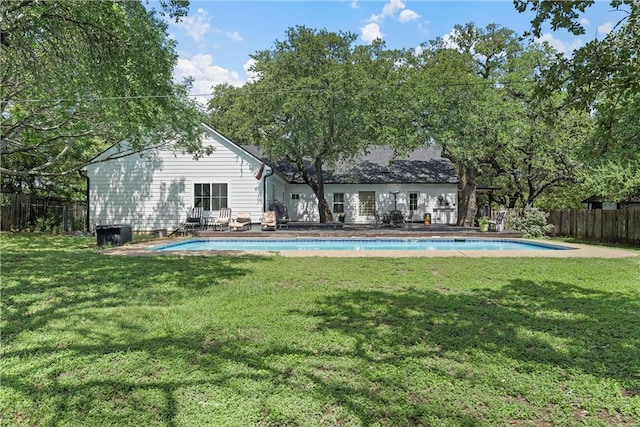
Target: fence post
65	218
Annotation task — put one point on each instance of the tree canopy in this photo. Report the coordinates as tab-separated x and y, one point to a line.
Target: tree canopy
602	78
465	111
319	99
481	104
79	76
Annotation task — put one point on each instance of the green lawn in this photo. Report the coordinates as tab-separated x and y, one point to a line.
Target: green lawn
89	339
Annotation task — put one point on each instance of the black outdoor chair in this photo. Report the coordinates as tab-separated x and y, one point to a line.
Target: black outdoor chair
396	219
282	214
194	220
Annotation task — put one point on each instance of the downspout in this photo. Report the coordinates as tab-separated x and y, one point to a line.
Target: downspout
264	189
83	174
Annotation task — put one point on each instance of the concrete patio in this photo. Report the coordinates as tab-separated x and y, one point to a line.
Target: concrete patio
336	229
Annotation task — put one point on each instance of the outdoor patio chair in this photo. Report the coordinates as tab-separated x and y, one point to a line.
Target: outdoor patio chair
269	221
242	222
283	223
223	219
396	218
194	220
376	217
497	224
386	220
282	214
408	219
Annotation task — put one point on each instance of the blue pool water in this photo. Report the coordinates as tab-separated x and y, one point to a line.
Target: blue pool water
356	244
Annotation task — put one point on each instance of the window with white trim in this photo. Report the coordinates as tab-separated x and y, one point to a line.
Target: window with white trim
338	202
210	196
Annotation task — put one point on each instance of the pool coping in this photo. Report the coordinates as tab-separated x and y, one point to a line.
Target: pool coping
576	251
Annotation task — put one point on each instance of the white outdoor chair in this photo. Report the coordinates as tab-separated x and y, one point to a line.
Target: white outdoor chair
223	219
497	224
242	222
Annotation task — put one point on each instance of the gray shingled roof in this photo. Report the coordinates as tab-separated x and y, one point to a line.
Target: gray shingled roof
379	165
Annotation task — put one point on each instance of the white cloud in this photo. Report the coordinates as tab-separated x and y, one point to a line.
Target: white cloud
448	41
205	75
408	15
605	28
392	7
196	26
563	47
354	4
371	32
235	36
376	18
251	74
419	50
585	21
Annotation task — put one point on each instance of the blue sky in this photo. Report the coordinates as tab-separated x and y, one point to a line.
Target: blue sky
216	39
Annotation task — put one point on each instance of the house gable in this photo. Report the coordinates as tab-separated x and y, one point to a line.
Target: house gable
154	189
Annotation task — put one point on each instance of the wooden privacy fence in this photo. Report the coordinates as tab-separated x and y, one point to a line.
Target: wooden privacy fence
27	212
619	226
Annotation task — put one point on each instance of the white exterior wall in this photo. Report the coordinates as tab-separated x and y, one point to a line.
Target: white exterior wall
276	190
305	208
155	190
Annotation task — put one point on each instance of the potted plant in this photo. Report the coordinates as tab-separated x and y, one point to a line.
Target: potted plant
341	217
483	223
426	219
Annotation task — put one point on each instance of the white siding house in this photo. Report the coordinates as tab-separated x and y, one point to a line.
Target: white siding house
417	183
157	188
359	202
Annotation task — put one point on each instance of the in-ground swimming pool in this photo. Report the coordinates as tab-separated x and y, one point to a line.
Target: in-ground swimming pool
357	244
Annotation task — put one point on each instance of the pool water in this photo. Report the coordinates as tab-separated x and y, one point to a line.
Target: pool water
356	244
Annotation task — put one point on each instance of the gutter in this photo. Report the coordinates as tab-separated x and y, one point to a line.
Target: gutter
264	188
83	173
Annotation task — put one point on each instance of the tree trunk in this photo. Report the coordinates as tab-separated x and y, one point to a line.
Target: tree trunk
468	204
317	186
323	207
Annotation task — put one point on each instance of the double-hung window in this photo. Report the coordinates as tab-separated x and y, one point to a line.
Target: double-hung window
210	196
338	202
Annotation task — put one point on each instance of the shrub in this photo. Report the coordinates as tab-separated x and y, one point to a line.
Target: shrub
44	224
532	223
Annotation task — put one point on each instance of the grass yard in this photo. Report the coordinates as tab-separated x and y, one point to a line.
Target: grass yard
89	339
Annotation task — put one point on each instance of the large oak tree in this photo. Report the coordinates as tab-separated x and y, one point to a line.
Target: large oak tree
464	110
540	142
480	103
319	98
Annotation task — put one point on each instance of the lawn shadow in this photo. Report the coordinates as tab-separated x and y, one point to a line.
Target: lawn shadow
548	323
42	286
540	326
45	287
